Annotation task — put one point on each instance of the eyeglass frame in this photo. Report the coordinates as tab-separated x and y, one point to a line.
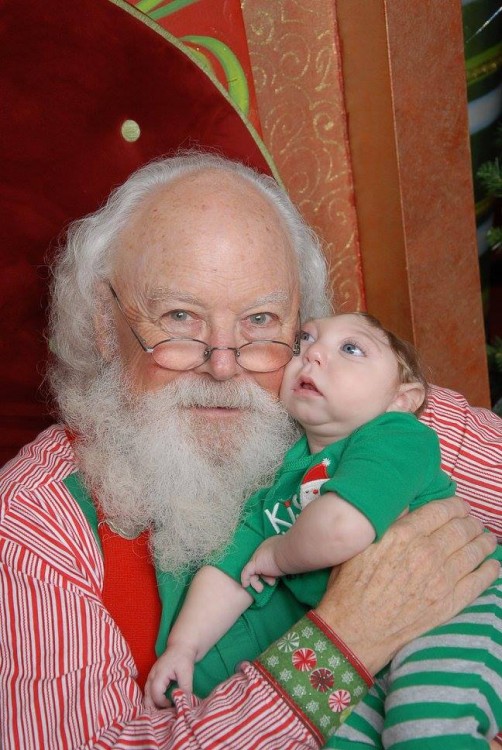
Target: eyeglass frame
295	349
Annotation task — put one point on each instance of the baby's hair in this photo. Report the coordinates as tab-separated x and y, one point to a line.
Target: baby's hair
409	366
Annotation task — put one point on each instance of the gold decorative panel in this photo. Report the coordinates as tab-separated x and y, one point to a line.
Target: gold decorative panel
295	60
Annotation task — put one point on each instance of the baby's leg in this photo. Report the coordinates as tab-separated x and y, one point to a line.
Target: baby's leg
445	688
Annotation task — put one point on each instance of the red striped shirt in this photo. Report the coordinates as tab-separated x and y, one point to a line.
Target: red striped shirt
67	677
471	452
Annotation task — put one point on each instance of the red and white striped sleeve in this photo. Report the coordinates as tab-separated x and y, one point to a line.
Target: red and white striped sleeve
471	452
66	672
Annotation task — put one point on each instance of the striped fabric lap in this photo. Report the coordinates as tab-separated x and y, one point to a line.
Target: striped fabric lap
442	690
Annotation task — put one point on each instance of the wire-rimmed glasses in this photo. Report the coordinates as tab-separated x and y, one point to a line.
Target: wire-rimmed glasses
262	355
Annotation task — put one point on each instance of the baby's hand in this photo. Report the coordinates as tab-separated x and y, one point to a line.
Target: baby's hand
175	664
262	565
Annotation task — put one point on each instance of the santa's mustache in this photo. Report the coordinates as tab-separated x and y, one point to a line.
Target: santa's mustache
190	391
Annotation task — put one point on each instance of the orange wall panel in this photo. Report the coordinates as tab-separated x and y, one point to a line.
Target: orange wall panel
405	93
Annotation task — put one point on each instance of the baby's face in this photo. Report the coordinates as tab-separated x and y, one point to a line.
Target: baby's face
346	374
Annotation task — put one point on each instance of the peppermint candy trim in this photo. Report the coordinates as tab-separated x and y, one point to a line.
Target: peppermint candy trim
316	674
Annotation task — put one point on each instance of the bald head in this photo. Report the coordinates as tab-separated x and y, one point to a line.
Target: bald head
213	221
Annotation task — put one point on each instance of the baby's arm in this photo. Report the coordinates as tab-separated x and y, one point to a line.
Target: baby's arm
213	603
326	533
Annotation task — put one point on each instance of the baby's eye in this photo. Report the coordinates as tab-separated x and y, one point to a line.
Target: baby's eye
306	336
350	348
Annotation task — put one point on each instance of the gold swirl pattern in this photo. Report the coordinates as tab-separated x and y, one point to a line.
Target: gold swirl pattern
295	59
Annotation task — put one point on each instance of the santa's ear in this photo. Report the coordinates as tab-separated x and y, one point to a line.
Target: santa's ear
409	397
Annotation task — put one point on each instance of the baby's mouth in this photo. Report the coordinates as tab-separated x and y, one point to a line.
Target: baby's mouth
306	384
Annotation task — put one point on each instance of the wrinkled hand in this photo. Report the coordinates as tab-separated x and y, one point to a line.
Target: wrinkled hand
175	664
262	565
425	569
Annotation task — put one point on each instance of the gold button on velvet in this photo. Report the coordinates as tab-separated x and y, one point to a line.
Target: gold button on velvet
130	131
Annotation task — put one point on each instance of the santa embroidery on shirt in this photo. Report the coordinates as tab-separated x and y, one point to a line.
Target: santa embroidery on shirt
312	482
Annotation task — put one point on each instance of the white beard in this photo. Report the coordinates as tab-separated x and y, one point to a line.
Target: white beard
153	462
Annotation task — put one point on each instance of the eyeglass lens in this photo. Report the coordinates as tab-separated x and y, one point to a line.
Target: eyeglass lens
257	356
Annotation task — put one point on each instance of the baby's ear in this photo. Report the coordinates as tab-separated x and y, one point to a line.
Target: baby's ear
409	397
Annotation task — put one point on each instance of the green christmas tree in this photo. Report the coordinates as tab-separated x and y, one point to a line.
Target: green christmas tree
490	175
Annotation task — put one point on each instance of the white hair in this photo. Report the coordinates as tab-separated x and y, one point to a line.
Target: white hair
86	259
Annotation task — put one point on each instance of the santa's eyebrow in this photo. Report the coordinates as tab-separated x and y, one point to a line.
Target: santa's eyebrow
172	295
278	296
